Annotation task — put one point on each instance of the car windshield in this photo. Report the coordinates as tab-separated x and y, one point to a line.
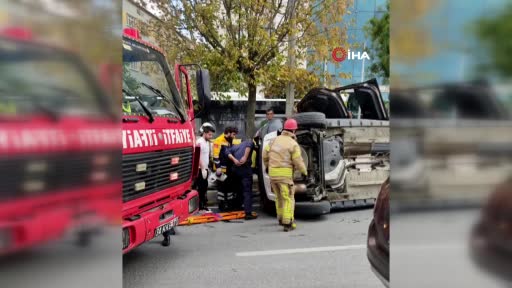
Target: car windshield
37	78
147	77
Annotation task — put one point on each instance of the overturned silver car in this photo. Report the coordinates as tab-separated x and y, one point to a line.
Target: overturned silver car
347	159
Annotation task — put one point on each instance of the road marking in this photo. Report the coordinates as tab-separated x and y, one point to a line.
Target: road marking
300	250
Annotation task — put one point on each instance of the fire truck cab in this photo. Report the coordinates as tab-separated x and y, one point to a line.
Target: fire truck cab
59	145
160	158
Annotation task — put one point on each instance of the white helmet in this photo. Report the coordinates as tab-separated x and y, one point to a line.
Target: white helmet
206	124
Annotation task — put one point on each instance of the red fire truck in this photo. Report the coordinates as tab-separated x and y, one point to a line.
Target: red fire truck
59	145
160	158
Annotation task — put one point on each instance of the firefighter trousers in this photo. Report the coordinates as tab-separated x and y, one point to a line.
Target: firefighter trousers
285	201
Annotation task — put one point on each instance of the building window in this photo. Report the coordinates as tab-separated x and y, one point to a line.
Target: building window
131	21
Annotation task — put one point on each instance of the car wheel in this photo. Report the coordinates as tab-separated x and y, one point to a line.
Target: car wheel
268	205
310	120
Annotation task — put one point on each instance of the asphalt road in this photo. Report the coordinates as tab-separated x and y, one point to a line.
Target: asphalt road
327	252
432	249
62	264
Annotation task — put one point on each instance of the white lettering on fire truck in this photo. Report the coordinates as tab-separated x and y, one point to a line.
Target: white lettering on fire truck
56	138
176	136
149	137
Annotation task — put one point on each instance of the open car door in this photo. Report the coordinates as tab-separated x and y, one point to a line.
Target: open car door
329	101
367	96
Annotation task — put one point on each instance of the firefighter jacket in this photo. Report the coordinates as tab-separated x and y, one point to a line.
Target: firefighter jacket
282	156
219	146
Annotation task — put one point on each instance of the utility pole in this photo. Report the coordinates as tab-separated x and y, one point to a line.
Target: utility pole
362	79
290	88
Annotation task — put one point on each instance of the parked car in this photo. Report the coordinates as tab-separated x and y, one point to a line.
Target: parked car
491	239
378	236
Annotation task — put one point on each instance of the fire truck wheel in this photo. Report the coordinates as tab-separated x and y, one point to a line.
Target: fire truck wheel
84	238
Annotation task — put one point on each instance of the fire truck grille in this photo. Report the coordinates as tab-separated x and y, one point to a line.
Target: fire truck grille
35	175
147	173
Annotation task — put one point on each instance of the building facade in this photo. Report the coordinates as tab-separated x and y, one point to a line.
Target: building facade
357	69
135	15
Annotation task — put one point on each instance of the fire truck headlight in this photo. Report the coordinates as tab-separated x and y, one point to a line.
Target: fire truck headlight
126	238
99	176
34	186
193	204
101	160
36	167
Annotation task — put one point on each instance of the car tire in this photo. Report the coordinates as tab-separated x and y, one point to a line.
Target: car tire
268	205
310	120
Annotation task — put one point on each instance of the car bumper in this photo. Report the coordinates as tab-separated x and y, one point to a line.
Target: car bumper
379	260
142	228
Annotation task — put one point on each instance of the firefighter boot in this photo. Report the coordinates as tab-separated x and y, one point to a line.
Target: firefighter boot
290	227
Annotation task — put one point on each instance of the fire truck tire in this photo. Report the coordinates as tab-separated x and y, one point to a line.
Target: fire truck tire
310	120
84	238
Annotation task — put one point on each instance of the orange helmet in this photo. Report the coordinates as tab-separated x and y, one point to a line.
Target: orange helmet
290	124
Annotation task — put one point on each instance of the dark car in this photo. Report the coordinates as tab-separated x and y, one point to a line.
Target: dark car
491	239
378	236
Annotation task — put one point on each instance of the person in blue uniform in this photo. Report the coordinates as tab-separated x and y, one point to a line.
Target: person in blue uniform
240	156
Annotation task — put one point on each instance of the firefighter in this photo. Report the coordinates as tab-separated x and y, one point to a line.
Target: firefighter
282	156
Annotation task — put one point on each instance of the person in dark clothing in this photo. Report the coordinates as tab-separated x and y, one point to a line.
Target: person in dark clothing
226	195
240	156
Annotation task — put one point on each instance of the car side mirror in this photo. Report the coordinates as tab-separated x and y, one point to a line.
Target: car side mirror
204	94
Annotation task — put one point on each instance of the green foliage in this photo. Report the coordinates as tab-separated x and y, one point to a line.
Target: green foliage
494	33
378	31
244	43
303	80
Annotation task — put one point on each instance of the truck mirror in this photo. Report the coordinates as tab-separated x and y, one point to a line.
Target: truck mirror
204	94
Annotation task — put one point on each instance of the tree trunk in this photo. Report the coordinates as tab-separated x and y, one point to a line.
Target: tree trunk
251	107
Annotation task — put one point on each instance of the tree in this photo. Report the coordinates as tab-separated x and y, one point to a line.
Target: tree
303	80
412	39
243	42
378	31
493	33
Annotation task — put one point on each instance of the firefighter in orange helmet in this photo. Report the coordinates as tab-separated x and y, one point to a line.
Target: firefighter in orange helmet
281	156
